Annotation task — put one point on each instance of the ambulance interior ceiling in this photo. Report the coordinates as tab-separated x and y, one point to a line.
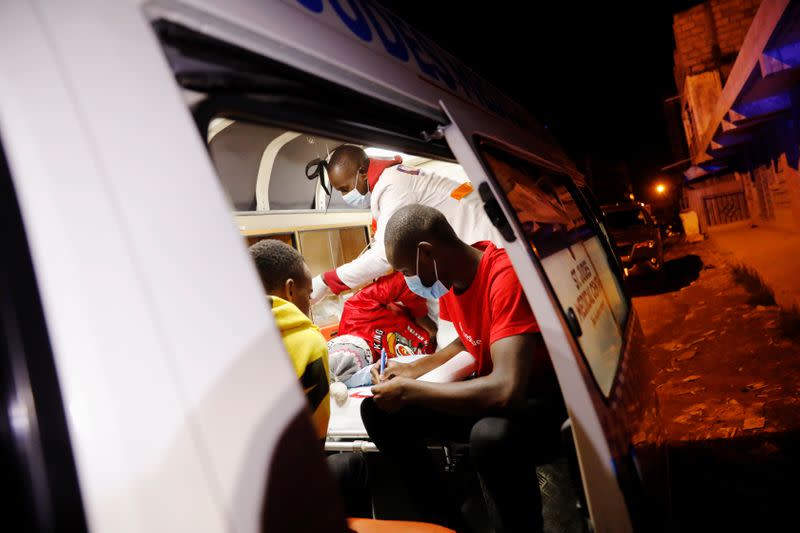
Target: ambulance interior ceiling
242	152
250	157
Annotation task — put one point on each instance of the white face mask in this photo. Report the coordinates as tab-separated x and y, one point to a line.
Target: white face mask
355	198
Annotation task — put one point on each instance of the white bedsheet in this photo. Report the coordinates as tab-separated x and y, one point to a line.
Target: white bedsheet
345	422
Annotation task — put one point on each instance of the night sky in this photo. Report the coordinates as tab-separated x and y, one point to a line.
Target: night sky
601	70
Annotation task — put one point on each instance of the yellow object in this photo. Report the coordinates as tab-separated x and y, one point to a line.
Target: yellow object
309	355
462	191
691	226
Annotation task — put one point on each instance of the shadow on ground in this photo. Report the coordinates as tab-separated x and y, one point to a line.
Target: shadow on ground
735	484
674	275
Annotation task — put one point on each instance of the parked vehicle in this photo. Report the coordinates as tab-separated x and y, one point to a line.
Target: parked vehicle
636	237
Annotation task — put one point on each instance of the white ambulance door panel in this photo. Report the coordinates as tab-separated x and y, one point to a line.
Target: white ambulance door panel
183	409
578	304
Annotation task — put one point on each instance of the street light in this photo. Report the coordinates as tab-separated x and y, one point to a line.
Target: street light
661	188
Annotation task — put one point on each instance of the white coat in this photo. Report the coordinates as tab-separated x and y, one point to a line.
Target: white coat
399	186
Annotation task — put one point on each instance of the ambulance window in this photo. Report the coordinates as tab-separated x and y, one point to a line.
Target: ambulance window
266	168
625	219
552	215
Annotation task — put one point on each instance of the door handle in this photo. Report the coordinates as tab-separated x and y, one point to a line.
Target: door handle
495	213
572	322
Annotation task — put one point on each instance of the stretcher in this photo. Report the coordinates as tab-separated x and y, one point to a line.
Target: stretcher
346	430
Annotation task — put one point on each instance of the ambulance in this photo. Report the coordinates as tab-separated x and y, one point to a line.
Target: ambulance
143	145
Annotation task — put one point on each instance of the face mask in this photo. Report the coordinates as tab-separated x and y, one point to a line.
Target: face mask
355	198
434	292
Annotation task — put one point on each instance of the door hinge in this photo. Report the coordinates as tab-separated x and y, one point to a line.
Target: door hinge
435	135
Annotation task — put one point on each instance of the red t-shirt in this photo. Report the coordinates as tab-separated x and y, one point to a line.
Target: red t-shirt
383	314
492	308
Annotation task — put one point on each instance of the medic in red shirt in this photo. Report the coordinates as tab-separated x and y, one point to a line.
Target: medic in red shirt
509	413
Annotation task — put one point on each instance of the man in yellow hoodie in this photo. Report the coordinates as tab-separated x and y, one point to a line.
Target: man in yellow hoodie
287	281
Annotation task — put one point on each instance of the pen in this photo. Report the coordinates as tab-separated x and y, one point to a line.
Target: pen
383	360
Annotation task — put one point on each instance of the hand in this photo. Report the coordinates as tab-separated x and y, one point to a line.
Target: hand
393	370
318	289
375	373
392	395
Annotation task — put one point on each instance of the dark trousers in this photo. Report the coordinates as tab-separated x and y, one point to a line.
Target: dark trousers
349	470
504	450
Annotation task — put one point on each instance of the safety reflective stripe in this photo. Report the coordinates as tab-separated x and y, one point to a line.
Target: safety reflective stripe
462	191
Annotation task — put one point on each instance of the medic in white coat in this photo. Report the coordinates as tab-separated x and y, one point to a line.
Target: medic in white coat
385	186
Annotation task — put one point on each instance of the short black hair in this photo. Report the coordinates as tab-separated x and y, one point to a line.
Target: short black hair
415	223
277	262
347	153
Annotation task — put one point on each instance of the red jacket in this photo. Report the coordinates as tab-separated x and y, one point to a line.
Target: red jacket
383	314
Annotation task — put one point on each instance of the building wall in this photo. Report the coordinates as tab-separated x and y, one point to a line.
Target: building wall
707	40
708	36
781	195
695	196
700	95
792	179
773	192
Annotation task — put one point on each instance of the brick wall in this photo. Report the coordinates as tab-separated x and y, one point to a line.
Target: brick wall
709	35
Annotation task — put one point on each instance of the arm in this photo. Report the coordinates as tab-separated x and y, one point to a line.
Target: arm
503	389
372	263
315	378
363	269
420	366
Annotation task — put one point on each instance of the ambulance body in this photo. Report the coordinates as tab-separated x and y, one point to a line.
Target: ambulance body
145	384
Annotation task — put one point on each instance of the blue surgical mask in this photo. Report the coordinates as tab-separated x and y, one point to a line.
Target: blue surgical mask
355	198
434	292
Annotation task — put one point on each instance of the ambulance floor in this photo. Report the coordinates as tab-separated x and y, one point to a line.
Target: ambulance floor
561	510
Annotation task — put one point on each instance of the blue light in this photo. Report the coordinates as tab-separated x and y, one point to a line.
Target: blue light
764	106
788	54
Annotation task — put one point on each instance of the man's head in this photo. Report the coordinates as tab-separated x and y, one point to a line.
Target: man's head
418	240
283	272
347	168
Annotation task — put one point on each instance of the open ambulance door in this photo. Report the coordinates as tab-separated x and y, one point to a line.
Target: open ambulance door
573	283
